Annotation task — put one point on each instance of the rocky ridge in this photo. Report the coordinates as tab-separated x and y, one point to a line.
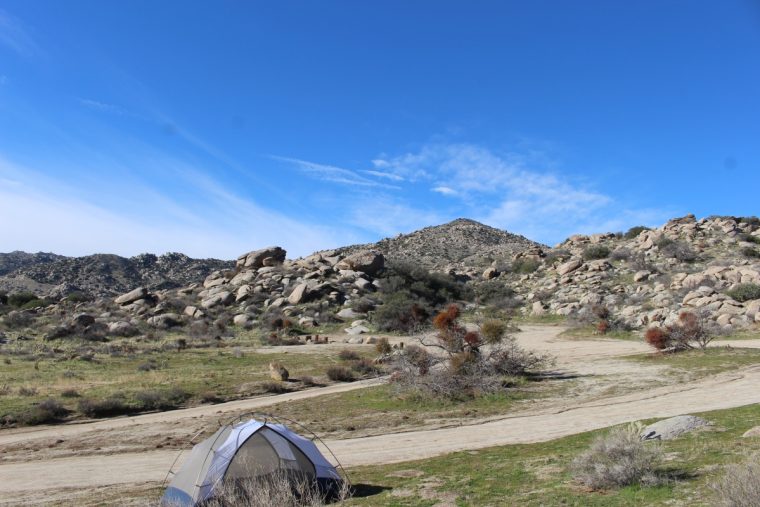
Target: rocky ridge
99	275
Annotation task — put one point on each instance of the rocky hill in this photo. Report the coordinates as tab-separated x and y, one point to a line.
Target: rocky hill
55	276
645	277
460	245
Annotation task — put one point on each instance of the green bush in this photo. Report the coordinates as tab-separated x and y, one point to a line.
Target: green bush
635	231
524	266
744	292
749	238
750	252
594	252
20	299
676	249
400	313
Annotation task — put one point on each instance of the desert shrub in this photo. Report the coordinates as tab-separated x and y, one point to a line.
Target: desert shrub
744	292
752	253
363	305
19	299
18	319
739	486
464	369
433	289
678	250
595	252
749	238
115	405
27	391
493	330
161	399
70	393
78	297
383	346
657	337
635	231
524	266
365	366
274	387
618	459
620	254
46	411
309	381
340	374
692	330
493	291
348	355
276	489
399	312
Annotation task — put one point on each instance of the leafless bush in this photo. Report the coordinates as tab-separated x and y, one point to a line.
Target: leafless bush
280	489
740	485
618	459
467	364
340	374
692	330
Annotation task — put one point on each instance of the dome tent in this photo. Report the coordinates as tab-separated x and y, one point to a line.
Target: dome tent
249	451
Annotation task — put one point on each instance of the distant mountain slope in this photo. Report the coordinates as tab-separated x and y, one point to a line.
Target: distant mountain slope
460	243
101	274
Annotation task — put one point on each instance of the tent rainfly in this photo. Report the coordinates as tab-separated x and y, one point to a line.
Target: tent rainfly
248	450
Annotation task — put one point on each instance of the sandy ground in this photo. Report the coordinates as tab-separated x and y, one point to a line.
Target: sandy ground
30	465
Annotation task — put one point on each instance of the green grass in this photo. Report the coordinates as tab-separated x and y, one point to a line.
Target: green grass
703	362
225	373
375	409
537	474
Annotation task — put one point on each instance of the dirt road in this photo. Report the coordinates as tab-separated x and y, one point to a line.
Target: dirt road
586	357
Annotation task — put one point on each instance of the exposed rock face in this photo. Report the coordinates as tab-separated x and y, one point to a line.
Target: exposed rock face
369	262
270	256
132	296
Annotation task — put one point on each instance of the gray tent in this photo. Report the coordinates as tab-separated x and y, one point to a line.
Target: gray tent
247	451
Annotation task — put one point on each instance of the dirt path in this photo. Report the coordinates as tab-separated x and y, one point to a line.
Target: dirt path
586	357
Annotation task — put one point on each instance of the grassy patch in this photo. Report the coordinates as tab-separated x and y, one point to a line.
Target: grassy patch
537	474
30	378
703	362
590	333
375	409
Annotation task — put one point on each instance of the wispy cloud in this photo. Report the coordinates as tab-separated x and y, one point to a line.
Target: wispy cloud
333	174
513	191
381	174
388	216
14	35
58	219
102	106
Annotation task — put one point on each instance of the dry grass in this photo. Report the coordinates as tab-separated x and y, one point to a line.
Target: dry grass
740	485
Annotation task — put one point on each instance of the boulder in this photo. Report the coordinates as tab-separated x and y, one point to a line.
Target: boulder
194	312
82	320
243	320
368	261
220	298
538	309
641	276
122	328
278	372
132	296
752	432
569	266
490	273
299	294
348	313
668	429
165	320
255	259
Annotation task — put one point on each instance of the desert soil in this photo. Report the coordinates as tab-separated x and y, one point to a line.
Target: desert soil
69	463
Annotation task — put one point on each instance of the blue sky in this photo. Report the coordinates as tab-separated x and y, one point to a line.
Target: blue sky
214	128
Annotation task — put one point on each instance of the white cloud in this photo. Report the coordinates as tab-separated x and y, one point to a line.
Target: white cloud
333	174
389	216
48	218
444	190
15	36
101	106
380	174
513	191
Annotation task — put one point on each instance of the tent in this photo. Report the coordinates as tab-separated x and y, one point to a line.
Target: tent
250	450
